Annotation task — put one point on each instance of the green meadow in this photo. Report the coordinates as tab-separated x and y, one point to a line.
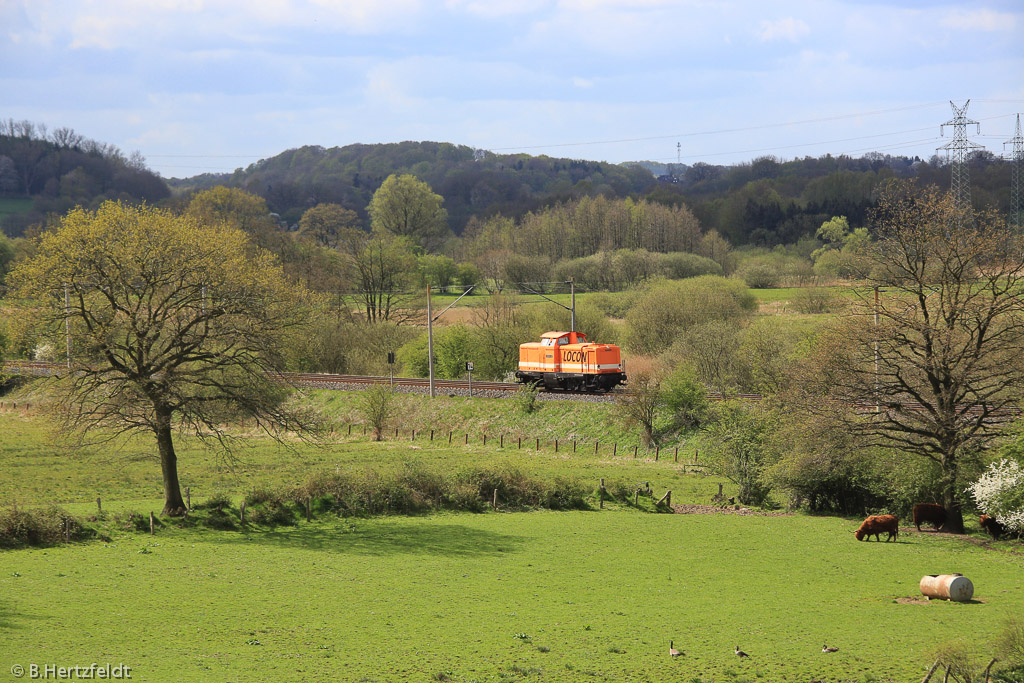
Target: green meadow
495	596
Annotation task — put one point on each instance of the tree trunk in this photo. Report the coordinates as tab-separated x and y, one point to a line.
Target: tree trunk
174	505
954	512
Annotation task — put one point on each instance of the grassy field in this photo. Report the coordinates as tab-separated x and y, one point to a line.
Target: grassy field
12	205
537	596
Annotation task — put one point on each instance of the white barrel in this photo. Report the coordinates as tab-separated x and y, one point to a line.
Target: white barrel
955	587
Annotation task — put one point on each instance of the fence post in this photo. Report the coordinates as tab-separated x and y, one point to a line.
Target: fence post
99	505
467	438
309	509
520	443
615	448
501	442
485	439
634	452
595	446
449	438
574	446
431	436
556	445
494	503
152	524
413	435
537	448
600	493
677	454
657	454
188	497
396	432
350	430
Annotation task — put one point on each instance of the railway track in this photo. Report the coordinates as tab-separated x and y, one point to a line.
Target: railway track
314	380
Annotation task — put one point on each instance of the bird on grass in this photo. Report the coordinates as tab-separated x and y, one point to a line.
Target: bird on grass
672	651
740	653
826	648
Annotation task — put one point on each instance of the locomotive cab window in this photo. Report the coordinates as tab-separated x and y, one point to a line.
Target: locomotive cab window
547	341
563	340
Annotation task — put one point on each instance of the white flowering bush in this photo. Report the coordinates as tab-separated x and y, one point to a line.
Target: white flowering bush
999	492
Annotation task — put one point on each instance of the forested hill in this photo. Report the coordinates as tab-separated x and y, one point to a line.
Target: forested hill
763	202
46	172
472	182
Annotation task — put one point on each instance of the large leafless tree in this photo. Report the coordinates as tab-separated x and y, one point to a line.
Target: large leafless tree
930	361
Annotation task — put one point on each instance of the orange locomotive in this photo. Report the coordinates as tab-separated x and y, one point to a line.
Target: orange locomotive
566	360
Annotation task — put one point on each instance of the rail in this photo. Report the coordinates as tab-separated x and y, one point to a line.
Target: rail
323	381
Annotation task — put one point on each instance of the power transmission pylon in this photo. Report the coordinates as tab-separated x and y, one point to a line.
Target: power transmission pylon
1017	161
959	148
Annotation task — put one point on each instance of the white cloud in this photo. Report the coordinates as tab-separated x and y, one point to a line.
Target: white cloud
979	20
783	29
582	82
490	9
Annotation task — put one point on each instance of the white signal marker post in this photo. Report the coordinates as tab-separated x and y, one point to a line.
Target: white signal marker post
469	369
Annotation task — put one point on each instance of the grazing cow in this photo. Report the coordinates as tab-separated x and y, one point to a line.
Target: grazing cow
878	524
992	526
929	513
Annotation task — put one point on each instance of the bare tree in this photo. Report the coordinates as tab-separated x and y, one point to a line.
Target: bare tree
380	265
930	360
641	403
377	406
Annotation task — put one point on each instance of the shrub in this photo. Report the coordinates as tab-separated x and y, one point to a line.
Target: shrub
667	308
131	521
1000	492
271	513
812	300
679	265
759	275
219	519
685	398
218	501
19	528
527	398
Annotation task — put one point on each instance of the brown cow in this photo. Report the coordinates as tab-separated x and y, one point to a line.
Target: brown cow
929	513
992	526
878	524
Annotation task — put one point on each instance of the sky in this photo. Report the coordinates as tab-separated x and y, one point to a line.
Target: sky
206	86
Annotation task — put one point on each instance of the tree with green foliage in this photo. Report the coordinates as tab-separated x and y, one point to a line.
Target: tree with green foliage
844	249
436	270
238	209
7	253
324	223
685	398
740	448
177	326
407	207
